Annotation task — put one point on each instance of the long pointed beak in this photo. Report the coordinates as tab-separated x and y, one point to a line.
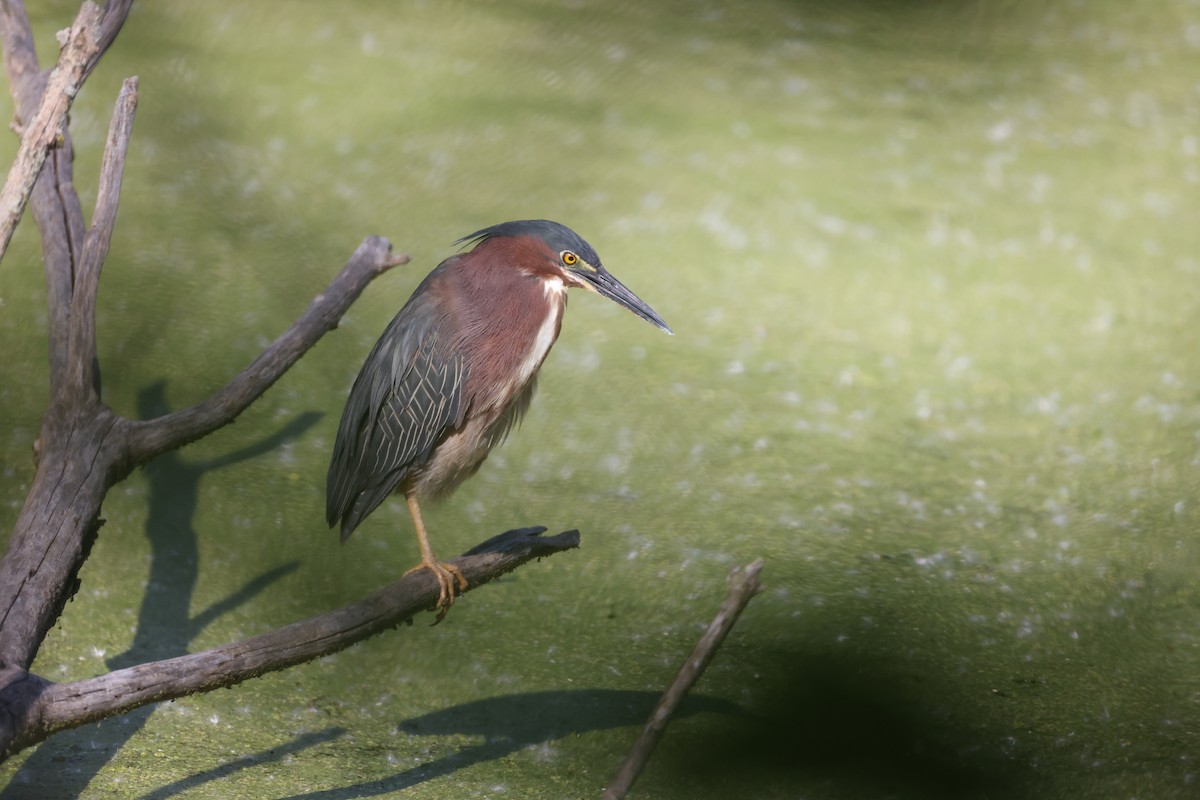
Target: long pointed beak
606	284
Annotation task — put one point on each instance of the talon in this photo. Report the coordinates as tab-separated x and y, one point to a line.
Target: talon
447	575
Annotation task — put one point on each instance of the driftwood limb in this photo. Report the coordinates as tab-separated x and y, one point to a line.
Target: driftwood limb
743	585
56	706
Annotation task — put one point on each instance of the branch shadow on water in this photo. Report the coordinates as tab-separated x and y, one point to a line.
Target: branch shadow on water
64	765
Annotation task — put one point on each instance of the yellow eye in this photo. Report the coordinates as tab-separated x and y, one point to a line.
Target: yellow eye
569	258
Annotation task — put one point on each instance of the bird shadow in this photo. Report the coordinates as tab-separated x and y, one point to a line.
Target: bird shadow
165	626
515	722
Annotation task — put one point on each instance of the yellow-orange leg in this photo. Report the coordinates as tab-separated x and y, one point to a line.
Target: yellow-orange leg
447	574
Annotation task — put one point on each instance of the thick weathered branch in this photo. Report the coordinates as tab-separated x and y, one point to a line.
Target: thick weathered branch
56	526
47	127
743	585
56	706
149	438
81	348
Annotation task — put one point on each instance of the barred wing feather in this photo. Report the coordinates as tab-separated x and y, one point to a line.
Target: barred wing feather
408	394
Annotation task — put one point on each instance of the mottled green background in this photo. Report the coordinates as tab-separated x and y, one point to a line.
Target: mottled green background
934	274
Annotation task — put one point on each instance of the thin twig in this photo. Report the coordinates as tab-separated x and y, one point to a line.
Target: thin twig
47	127
743	585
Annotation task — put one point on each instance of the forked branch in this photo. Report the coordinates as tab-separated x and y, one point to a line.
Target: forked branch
54	202
81	342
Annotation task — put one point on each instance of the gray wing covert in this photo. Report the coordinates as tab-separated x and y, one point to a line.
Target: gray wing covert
407	395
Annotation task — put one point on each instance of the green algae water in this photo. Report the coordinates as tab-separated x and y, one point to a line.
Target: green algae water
933	273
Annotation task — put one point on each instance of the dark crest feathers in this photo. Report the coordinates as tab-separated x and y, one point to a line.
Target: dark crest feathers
556	235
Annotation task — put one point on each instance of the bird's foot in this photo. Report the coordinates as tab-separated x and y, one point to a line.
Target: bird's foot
447	576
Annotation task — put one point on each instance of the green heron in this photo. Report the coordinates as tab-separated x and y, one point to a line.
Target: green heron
456	369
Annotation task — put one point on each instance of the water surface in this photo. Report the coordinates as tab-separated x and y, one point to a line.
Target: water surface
933	275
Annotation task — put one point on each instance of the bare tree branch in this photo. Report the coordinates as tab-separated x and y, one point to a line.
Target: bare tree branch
80	458
46	129
149	438
56	706
743	585
81	349
55	204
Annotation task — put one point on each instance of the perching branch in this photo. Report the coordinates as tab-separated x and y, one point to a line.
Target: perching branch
57	706
743	585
